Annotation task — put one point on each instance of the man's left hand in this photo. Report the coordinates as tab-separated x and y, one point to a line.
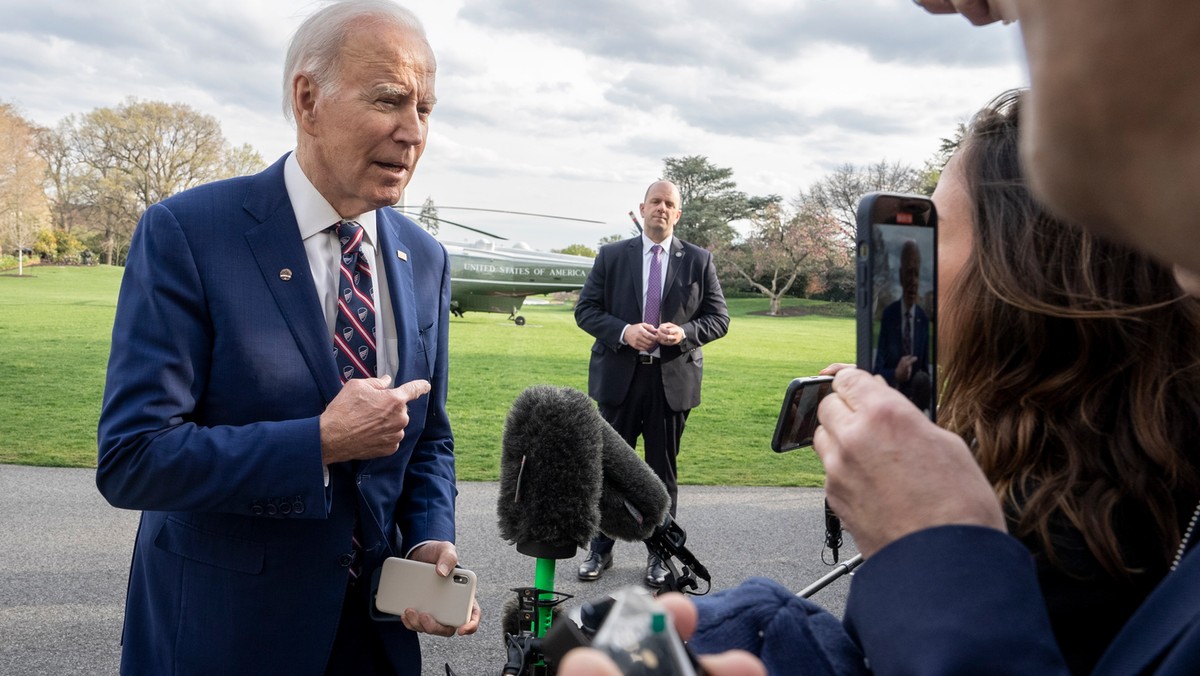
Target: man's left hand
670	334
443	555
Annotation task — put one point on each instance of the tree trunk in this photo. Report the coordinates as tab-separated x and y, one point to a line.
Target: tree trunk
775	305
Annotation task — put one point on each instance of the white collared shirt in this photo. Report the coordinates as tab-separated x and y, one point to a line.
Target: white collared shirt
314	215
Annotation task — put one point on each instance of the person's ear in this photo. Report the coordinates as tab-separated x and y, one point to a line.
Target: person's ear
304	103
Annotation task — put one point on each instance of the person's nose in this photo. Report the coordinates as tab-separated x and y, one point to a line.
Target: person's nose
409	128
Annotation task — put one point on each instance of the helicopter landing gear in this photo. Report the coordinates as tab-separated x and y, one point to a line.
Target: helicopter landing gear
519	320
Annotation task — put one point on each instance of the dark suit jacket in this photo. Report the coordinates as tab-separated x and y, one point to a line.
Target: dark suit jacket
965	600
219	372
612	298
891	342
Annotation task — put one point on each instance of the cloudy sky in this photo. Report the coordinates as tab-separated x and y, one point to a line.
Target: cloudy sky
559	107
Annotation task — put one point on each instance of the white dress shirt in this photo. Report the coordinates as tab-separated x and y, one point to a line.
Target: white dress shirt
314	215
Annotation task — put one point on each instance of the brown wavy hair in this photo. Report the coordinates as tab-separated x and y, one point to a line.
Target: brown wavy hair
1075	374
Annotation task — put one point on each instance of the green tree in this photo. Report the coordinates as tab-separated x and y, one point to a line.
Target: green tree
576	250
710	200
931	172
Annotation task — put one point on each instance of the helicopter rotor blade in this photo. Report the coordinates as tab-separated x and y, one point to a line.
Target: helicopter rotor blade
519	213
458	225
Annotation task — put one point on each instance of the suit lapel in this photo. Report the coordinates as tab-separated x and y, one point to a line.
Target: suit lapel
671	300
395	253
276	245
633	259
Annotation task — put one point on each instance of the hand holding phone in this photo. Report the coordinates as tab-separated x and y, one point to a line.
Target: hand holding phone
404	584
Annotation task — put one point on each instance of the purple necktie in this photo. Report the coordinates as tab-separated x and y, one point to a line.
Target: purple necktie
653	313
354	333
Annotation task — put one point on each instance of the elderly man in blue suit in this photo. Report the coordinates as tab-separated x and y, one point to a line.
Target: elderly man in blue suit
250	410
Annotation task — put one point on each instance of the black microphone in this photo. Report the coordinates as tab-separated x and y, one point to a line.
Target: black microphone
550	472
633	500
635	506
833	531
550	478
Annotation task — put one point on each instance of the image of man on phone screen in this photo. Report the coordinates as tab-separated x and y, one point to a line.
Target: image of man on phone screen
902	357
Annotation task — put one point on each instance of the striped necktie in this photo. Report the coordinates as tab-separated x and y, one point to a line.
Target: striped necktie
354	332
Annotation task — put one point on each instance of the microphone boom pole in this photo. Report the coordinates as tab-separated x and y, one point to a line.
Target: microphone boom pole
841	569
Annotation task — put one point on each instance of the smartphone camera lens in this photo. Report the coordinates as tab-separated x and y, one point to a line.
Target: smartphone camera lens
460	579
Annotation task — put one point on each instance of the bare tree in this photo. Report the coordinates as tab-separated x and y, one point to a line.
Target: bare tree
63	183
142	152
240	160
429	216
23	209
838	193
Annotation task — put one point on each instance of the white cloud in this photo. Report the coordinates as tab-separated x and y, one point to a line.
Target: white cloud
555	107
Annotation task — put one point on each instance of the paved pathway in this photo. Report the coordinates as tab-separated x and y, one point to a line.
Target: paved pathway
64	558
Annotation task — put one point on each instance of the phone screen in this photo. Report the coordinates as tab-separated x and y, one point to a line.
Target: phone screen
898	294
798	418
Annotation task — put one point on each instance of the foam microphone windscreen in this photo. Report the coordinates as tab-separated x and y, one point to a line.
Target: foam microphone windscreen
550	469
633	500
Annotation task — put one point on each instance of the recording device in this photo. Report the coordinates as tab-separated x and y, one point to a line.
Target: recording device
798	418
896	304
564	474
550	479
404	583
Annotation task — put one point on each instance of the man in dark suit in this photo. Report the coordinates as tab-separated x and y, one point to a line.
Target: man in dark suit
651	302
249	408
902	353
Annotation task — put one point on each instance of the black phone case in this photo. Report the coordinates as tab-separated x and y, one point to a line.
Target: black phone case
882	207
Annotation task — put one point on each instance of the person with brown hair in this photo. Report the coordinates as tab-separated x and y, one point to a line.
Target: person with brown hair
1065	373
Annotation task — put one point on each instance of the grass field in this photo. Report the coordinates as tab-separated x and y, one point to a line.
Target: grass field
55	326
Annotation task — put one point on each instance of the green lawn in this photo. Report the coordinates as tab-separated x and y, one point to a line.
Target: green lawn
55	328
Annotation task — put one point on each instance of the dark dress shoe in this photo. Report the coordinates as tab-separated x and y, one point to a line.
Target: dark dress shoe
594	566
656	572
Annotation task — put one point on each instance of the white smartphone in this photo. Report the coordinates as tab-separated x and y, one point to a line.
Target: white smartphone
404	583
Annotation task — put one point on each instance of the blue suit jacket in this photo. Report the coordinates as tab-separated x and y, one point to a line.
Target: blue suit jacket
612	298
891	342
965	600
220	367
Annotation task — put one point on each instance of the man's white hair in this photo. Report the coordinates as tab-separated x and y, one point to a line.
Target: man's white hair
317	43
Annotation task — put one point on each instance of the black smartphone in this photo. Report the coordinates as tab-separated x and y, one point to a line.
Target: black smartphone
798	418
896	264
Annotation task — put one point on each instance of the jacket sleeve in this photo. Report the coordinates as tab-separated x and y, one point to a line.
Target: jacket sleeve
592	311
711	319
952	600
153	452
